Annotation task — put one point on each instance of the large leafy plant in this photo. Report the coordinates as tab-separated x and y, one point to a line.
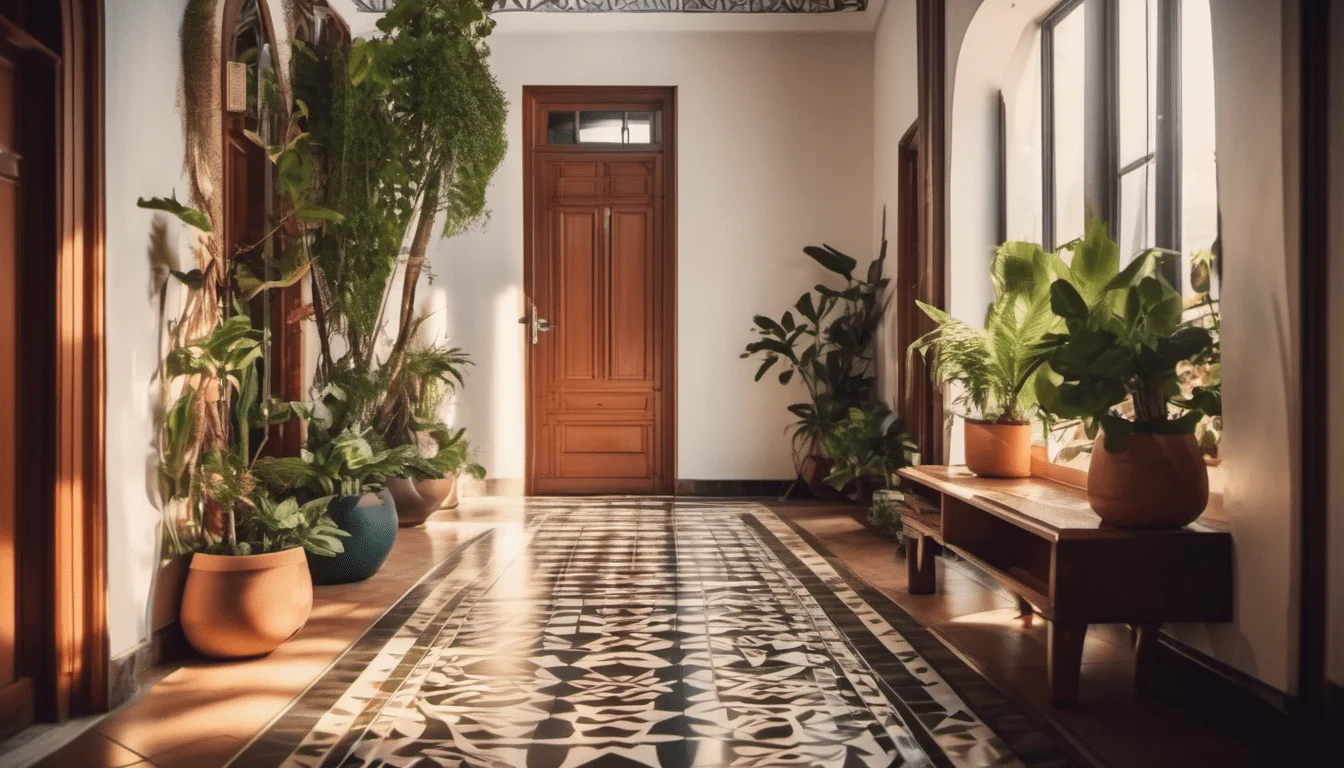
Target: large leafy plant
827	341
1115	364
215	428
349	464
868	443
990	368
411	132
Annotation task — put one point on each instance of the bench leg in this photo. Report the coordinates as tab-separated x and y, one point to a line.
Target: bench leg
1024	608
1064	661
1145	643
920	572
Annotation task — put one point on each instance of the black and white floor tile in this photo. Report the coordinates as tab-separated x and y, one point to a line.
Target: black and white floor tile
631	632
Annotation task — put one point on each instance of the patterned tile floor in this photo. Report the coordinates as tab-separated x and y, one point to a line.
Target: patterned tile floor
202	714
630	632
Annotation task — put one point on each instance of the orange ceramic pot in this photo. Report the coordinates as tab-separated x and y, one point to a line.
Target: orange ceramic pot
417	501
1158	481
235	606
998	450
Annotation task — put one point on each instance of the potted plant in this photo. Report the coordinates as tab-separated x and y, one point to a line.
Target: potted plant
247	588
866	448
417	500
829	345
347	462
410	416
410	132
247	598
1115	367
989	369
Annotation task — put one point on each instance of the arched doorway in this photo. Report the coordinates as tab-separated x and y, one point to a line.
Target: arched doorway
53	628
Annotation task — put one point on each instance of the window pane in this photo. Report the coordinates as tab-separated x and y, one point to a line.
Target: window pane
1068	125
560	128
1137	203
1199	189
601	127
1138	71
639	128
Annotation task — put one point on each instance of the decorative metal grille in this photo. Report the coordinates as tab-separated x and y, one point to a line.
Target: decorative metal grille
652	6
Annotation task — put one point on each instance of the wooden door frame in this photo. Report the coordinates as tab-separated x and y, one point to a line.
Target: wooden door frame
536	97
62	556
931	30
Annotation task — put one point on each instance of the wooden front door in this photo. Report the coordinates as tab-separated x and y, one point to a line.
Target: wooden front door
600	279
16	693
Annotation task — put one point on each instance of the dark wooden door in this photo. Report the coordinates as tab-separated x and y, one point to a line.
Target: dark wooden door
598	383
918	396
16	694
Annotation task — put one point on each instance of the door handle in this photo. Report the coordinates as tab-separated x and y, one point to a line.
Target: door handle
537	325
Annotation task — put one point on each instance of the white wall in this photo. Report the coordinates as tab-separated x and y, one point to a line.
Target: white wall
1254	61
144	159
775	152
895	107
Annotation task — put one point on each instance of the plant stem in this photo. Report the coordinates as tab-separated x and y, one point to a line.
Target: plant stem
424	230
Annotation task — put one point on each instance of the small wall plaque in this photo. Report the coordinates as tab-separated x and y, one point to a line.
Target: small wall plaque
235	86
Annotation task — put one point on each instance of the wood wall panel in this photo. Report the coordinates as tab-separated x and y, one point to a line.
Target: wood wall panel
631	294
576	264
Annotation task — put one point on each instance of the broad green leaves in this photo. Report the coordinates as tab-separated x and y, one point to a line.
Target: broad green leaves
1121	345
288	524
189	216
826	341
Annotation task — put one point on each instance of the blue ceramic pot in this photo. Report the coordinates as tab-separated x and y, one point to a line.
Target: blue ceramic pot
371	522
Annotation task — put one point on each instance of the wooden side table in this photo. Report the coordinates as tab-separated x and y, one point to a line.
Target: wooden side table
1042	540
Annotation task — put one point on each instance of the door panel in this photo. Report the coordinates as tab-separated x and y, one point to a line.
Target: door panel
597	272
631	327
575	318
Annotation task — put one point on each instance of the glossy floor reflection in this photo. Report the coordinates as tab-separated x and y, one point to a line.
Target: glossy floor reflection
630	632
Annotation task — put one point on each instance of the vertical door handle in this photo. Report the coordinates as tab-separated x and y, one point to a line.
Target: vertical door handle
536	325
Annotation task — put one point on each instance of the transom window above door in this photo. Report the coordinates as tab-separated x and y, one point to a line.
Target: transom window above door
604	127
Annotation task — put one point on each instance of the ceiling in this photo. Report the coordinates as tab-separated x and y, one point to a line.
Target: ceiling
539	16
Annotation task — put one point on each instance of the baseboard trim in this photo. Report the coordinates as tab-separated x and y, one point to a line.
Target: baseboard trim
1183	673
493	486
733	488
131	672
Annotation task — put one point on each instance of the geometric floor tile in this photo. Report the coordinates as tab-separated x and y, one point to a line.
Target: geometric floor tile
625	631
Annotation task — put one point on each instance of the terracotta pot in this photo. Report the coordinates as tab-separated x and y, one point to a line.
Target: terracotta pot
235	606
998	450
1158	481
371	522
454	494
814	472
417	501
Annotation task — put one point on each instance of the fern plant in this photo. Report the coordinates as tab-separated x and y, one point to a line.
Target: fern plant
990	368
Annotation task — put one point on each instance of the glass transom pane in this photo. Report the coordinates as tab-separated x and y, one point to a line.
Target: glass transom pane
601	127
560	128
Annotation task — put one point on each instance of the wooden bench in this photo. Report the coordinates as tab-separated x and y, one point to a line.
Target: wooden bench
1042	540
